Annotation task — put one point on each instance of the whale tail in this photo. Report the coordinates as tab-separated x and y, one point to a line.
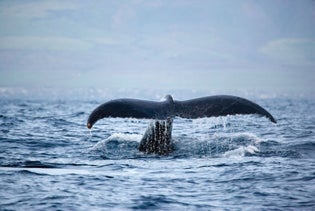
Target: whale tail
212	106
158	136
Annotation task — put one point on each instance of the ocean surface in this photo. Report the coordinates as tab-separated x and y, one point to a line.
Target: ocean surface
49	160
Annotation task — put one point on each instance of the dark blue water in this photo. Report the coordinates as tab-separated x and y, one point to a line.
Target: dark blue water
49	160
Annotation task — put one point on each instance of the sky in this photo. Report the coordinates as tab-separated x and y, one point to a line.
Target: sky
142	44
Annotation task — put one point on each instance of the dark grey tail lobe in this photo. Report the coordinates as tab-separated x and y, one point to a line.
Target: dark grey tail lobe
220	105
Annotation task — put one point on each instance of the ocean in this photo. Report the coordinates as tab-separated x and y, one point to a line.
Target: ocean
49	160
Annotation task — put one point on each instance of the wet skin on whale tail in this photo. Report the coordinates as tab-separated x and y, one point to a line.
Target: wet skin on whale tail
157	138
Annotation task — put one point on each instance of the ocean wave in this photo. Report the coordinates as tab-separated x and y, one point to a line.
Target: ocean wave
49	159
30	164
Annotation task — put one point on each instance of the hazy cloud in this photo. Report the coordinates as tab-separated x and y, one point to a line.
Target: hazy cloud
291	51
35	9
43	43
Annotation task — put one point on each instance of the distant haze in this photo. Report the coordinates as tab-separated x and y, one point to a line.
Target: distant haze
211	45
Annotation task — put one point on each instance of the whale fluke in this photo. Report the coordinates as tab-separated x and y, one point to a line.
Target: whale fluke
213	106
158	136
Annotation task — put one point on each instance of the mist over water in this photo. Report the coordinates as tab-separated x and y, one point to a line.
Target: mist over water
50	160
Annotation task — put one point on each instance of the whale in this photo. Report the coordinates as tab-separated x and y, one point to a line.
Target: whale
157	138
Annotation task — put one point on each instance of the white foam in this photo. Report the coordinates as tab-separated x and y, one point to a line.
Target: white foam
240	152
121	137
124	137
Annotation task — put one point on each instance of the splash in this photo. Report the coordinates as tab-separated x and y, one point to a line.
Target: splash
118	146
241	151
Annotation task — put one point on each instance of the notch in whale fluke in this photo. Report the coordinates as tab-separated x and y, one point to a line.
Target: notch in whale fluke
211	106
